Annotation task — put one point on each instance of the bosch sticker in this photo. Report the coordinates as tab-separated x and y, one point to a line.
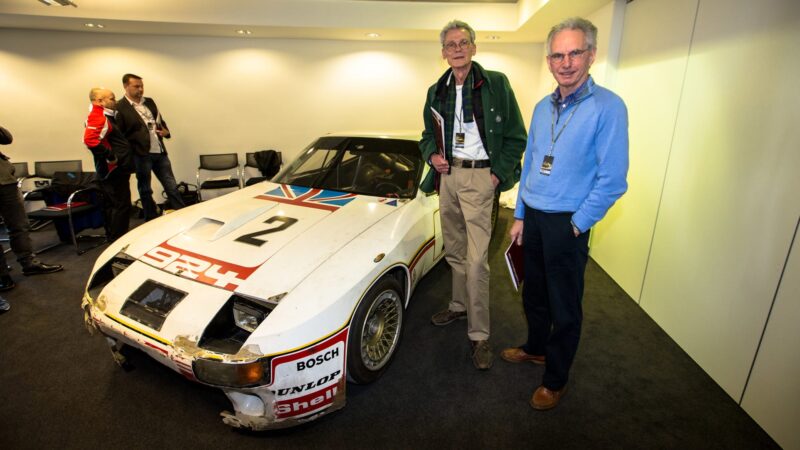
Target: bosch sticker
307	381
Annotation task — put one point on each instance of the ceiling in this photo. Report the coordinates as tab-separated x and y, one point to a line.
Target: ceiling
393	20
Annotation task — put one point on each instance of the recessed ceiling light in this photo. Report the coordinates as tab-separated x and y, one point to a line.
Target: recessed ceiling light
94	25
372	35
59	2
244	32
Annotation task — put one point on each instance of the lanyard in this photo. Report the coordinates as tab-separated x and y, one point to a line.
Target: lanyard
553	136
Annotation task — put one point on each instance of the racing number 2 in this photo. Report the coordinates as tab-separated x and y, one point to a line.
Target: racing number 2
252	238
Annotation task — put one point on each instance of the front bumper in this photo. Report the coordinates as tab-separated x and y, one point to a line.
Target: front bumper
304	383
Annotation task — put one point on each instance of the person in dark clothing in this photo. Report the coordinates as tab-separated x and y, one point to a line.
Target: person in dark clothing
13	212
145	129
112	160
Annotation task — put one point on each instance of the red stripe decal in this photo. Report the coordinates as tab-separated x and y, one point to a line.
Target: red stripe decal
157	348
428	245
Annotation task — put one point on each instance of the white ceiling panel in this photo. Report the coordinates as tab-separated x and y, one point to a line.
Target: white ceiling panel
409	20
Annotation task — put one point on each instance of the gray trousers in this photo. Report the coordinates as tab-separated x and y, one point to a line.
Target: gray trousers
13	212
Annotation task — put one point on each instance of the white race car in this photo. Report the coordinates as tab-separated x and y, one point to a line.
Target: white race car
280	292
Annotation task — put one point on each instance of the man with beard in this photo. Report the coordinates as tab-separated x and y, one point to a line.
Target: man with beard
145	129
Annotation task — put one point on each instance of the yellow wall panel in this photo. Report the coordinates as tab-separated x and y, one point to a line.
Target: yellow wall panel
655	47
730	202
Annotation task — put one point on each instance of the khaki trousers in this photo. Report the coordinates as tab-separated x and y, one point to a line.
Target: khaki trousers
465	205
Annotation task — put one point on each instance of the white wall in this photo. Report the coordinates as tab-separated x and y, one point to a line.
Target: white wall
227	94
702	237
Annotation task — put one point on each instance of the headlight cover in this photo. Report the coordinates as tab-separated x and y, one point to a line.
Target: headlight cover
108	272
233	324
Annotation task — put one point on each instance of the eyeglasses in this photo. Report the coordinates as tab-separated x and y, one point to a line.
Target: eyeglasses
453	46
558	58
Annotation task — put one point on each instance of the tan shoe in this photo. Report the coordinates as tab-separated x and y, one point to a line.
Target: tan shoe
518	355
544	399
446	317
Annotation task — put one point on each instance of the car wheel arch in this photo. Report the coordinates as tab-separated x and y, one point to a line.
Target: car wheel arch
396	275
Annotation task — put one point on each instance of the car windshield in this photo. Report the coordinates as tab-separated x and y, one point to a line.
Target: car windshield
370	166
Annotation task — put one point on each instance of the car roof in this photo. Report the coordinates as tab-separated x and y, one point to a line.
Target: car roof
410	135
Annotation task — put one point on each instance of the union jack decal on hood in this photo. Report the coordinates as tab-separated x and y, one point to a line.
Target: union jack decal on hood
308	197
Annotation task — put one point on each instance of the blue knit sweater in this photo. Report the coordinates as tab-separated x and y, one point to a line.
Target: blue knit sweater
590	157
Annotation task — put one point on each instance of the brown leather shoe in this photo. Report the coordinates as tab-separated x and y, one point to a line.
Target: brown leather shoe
482	355
518	355
544	399
447	317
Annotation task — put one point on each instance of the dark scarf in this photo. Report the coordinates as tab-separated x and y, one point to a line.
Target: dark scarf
471	104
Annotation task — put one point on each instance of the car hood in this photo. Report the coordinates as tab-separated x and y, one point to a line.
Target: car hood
261	241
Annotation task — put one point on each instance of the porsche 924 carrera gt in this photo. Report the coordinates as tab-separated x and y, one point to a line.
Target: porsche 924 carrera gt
280	292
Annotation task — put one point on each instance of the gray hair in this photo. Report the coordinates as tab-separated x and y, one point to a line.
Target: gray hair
575	23
457	25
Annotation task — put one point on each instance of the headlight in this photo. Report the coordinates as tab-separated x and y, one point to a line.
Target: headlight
220	373
248	317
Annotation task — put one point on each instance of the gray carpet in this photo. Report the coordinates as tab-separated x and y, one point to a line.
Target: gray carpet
631	386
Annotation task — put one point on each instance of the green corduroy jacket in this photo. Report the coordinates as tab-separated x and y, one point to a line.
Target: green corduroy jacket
503	132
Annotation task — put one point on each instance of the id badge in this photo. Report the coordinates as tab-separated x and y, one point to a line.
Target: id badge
547	165
460	140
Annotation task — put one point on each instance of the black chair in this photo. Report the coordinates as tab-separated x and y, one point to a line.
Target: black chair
261	165
42	176
21	172
43	171
74	203
219	172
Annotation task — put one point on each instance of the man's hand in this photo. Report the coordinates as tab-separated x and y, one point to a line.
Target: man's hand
439	163
495	180
516	231
575	229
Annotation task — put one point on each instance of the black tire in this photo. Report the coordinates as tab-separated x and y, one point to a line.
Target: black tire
375	331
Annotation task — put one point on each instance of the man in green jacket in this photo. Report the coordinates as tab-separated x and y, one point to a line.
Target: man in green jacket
474	139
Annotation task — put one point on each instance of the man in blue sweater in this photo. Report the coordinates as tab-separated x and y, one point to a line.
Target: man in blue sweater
574	169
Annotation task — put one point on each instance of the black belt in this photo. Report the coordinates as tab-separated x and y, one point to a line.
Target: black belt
471	163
